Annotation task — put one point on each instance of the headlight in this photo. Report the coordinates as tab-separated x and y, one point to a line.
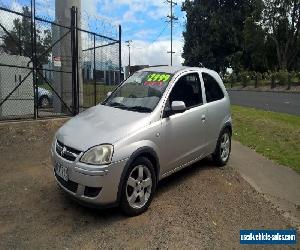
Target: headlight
98	155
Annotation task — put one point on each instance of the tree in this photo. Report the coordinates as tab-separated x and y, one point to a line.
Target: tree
254	54
18	41
214	31
282	21
254	50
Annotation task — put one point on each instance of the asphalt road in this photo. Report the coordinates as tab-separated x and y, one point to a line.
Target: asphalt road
271	101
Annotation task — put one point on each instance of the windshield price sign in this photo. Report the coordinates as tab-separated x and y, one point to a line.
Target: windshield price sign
158	77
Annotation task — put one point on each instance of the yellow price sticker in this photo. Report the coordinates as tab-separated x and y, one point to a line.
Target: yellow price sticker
158	77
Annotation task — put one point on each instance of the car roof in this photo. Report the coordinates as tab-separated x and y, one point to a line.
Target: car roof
168	69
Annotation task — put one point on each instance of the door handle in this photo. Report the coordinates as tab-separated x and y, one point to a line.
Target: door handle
203	118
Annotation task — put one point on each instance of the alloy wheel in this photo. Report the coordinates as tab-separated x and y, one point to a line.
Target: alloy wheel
225	146
138	186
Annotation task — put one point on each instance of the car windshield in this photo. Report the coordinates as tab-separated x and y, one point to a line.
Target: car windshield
141	92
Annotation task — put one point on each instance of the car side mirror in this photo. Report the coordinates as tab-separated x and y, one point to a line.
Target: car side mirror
108	94
178	106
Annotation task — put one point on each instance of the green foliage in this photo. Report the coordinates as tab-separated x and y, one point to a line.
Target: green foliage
256	35
254	53
236	61
232	77
281	22
269	78
282	77
245	77
258	76
214	31
21	35
266	75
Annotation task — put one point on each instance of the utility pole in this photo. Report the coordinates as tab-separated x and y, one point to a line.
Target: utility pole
171	17
128	44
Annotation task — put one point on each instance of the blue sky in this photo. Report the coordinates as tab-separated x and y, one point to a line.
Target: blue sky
143	21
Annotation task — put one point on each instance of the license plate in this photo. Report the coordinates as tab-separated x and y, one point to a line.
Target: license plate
61	171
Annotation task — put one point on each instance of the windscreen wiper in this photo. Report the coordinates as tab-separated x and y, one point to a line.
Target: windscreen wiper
139	109
115	104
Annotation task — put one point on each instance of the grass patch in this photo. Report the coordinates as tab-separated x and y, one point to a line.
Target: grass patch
274	135
89	92
101	93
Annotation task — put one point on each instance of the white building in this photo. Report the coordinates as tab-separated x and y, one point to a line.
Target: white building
21	102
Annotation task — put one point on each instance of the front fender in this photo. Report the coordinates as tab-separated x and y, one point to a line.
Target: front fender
144	150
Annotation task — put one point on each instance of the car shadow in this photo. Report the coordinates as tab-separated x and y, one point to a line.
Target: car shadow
182	175
114	214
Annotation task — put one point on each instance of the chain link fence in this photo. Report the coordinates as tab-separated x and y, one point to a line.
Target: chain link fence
49	68
100	58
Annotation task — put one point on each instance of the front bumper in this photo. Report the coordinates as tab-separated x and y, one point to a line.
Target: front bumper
95	185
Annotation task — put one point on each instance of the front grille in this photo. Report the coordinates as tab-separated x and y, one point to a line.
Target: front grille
70	185
66	152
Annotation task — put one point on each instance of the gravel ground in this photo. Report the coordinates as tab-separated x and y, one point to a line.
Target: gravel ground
199	207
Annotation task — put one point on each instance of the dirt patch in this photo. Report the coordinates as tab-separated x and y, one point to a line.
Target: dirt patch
199	207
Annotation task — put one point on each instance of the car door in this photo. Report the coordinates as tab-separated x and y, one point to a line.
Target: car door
183	133
216	108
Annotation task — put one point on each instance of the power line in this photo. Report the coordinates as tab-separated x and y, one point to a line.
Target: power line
159	34
171	17
156	38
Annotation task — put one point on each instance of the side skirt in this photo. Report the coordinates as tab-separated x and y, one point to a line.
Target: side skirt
183	166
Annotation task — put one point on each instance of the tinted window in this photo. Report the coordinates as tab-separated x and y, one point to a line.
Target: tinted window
213	90
188	90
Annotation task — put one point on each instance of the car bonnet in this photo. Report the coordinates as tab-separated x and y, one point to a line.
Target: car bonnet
99	125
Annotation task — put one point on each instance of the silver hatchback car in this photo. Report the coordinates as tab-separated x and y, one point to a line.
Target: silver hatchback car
158	121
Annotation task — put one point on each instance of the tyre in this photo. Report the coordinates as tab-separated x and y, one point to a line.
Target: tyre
223	148
138	187
44	102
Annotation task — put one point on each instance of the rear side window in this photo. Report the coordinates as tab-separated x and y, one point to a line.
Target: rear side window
213	90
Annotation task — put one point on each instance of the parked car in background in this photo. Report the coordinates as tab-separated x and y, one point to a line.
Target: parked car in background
158	121
45	98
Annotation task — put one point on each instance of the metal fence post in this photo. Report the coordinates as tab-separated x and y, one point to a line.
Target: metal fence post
73	60
77	61
75	73
94	72
33	54
120	56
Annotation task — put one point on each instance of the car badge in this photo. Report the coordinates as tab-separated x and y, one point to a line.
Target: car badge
64	150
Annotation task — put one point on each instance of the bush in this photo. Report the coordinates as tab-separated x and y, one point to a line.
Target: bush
273	76
232	78
245	78
257	78
266	76
297	75
226	78
282	77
